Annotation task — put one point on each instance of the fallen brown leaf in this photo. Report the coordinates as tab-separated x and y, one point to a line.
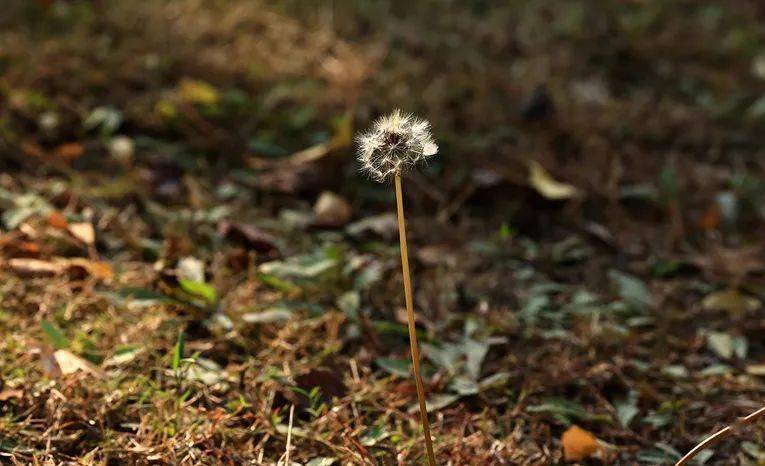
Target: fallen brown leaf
27	266
70	152
547	186
730	301
56	220
83	231
33	149
710	219
756	369
6	395
59	265
579	444
29	247
331	210
731	263
96	269
437	254
254	237
70	363
49	365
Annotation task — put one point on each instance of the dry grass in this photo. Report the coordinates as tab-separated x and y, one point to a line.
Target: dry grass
216	94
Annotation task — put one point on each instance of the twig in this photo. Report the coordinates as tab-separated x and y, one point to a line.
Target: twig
289	437
721	434
410	318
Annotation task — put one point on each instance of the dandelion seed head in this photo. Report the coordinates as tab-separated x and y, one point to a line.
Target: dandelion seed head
394	143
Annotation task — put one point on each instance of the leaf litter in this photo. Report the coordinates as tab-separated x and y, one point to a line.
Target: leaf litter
589	283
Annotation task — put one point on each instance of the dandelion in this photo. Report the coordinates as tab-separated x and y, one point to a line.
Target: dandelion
394	143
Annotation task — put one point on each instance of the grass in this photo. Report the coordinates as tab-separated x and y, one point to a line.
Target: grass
634	311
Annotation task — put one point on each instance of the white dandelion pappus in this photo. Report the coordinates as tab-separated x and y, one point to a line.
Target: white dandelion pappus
394	142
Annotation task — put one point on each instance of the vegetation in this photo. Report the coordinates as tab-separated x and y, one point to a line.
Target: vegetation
193	272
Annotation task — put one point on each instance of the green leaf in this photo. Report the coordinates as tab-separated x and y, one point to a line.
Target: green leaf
446	356
753	450
505	231
666	268
632	290
703	456
657	420
726	346
323	461
566	411
475	352
464	386
626	409
178	351
54	335
201	289
277	283
716	369
570	250
305	268
398	367
676	371
24	206
438	401
662	454
106	119
374	435
349	303
494	381
721	343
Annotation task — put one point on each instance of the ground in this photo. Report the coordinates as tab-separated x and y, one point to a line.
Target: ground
193	271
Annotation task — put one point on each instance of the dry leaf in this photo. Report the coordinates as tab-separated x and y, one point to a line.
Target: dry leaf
331	210
253	237
735	263
756	369
56	220
711	218
547	186
730	301
83	231
579	444
6	395
29	247
437	254
70	363
382	224
96	269
48	362
70	152
33	149
27	266
198	92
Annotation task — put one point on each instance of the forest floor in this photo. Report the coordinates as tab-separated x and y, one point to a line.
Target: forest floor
192	270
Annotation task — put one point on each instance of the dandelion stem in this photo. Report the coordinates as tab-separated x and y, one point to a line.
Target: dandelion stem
721	434
410	318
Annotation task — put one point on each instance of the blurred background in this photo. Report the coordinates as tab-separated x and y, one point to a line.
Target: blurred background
588	246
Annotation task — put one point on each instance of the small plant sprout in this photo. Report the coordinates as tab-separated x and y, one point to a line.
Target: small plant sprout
393	144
